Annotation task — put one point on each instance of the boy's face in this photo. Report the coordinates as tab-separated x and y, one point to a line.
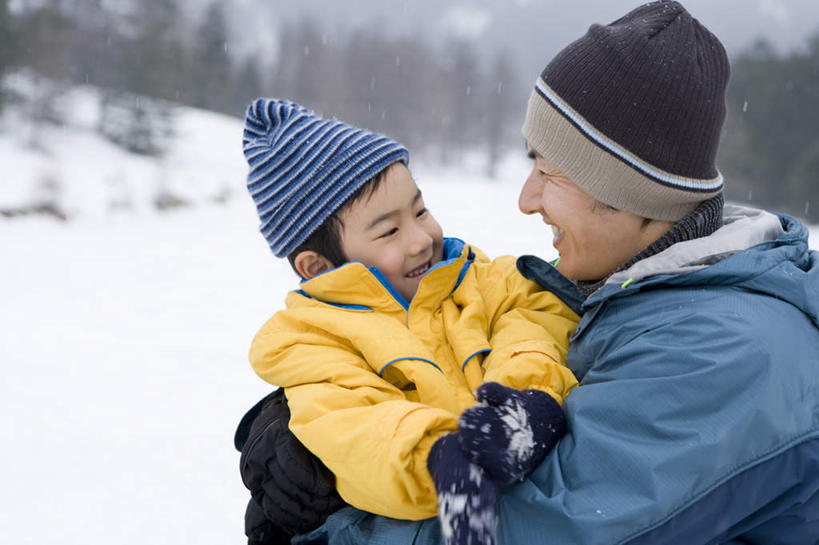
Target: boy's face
392	230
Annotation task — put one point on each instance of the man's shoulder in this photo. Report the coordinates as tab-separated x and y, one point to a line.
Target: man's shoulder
725	328
701	311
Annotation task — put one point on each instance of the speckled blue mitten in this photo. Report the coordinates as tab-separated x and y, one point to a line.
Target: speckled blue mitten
466	496
509	432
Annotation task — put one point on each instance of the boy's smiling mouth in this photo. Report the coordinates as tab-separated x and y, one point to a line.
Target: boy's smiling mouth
418	271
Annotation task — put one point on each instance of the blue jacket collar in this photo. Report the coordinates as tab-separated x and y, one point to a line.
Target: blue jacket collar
545	274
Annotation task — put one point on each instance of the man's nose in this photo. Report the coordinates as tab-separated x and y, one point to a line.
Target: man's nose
529	200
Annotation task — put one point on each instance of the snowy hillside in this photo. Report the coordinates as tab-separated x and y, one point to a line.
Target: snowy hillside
124	331
93	176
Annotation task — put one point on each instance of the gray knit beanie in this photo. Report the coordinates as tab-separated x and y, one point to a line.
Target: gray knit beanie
632	112
303	168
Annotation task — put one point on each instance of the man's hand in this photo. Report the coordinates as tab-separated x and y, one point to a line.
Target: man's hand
466	496
509	432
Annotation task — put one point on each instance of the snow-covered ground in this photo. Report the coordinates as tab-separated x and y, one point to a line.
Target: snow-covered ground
124	335
124	344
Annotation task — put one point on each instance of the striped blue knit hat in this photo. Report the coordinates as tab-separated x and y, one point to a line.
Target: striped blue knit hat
303	168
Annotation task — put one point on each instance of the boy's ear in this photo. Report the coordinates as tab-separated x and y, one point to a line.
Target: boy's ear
310	264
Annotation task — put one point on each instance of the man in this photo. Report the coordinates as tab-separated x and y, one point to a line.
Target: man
697	416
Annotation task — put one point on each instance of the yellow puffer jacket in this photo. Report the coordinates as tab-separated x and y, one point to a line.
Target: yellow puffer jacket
371	384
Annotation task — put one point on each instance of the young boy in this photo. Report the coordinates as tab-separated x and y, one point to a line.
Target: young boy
394	328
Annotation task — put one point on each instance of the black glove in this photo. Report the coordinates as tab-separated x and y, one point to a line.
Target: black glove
466	497
261	531
509	432
290	487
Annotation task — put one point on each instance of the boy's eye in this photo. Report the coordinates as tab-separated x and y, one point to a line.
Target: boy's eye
421	212
389	233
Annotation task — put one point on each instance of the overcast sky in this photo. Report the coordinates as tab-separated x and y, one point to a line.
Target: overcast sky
533	29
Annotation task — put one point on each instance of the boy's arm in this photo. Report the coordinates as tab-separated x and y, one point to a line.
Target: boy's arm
366	432
518	418
529	332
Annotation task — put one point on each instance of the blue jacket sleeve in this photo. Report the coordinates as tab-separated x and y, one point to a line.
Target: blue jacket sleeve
691	426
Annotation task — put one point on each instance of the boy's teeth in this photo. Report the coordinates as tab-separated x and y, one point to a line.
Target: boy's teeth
419	271
556	231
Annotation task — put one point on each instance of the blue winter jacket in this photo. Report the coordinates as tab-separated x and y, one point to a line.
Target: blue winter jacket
697	416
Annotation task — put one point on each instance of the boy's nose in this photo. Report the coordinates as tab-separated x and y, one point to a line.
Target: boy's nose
421	241
529	200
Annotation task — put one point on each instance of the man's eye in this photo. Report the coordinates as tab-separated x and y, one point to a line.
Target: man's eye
546	176
389	233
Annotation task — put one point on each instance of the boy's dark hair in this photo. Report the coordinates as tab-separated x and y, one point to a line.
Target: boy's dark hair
326	241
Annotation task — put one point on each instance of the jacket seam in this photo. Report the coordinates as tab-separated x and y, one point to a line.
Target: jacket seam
342	306
481	351
380	372
768	455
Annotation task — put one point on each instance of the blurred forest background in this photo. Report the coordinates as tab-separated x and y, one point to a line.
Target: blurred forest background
444	99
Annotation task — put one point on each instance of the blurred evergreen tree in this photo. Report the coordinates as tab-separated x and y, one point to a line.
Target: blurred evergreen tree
211	62
769	153
48	33
8	46
93	44
803	184
462	95
304	68
388	86
411	69
499	108
247	86
155	61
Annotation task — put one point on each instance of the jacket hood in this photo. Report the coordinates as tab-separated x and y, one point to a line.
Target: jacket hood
754	250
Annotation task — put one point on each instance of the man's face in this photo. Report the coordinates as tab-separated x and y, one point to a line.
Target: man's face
392	230
592	239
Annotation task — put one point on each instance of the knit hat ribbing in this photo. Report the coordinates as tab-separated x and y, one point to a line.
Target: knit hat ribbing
632	112
303	168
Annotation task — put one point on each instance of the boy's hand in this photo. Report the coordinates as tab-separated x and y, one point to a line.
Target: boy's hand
466	496
509	432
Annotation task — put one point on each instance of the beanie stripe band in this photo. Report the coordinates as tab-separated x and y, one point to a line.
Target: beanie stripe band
659	176
344	138
305	159
271	162
351	178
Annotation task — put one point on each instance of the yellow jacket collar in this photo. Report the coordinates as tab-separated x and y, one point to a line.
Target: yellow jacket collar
355	286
